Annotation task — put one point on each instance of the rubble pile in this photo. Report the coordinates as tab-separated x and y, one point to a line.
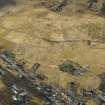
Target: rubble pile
72	68
57	7
76	6
51	94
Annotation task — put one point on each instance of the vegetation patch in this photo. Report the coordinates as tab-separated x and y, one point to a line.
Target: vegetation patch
96	30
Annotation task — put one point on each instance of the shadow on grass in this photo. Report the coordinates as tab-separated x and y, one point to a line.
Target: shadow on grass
5	97
9	79
4	3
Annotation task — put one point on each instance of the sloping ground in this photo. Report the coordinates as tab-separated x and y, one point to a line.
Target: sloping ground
39	35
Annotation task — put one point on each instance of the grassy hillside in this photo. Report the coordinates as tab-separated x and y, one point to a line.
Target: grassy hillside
50	38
